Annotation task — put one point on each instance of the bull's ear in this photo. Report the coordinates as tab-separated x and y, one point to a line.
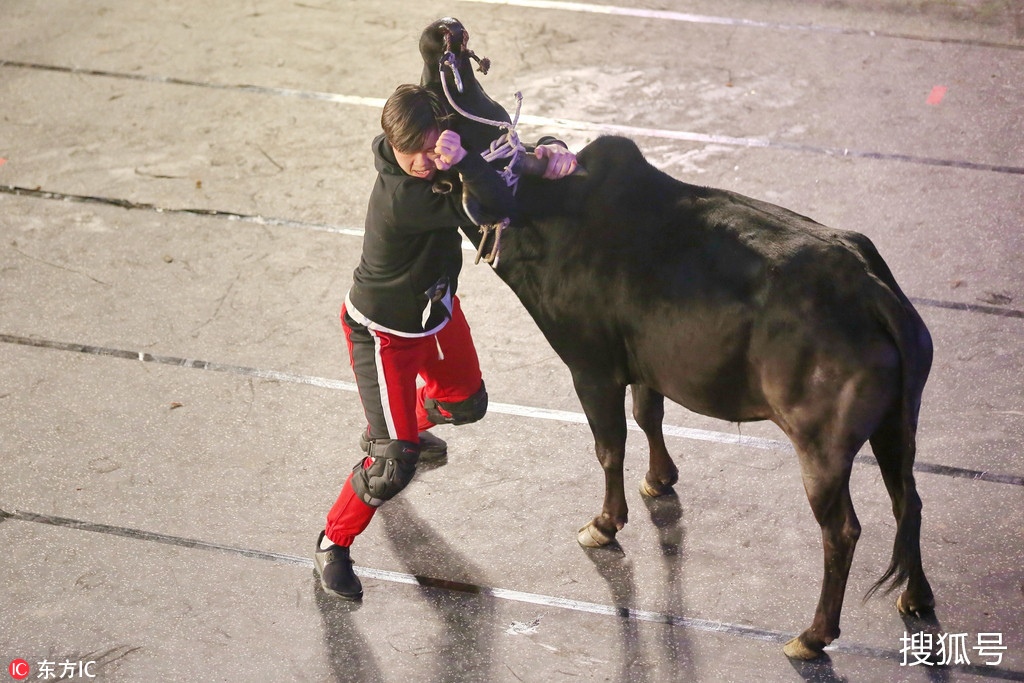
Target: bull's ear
477	212
473	208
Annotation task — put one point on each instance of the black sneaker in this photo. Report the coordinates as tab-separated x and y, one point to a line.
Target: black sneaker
335	567
432	449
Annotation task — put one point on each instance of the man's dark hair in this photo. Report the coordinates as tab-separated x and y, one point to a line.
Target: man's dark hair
409	115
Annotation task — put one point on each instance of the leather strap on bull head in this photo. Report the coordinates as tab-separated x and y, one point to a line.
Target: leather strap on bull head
449	58
449	34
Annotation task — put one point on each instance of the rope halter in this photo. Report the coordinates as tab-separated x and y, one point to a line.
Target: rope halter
506	146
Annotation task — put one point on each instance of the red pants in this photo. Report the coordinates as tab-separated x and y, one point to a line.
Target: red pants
386	367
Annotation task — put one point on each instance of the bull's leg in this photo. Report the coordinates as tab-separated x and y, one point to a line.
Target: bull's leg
603	403
889	448
826	479
649	411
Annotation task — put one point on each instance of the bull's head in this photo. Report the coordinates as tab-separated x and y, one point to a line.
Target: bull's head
448	39
448	73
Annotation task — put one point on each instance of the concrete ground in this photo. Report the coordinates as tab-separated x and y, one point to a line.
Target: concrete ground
182	187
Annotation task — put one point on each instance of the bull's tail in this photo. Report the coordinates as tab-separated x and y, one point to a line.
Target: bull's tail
906	551
910	335
907	330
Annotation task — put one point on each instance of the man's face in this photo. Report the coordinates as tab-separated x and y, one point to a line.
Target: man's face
420	164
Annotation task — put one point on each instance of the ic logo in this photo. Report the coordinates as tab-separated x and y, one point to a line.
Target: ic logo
19	669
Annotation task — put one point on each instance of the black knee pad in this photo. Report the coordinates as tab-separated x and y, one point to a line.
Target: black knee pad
394	463
457	412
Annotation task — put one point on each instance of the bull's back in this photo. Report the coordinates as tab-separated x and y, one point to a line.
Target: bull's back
798	311
694	291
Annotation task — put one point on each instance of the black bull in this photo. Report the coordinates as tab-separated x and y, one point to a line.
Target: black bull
733	308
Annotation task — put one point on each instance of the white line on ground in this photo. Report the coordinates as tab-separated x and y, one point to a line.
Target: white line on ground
629	131
685	17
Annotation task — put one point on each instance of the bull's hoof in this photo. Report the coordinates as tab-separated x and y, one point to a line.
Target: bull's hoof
797	649
654	490
592	537
911	608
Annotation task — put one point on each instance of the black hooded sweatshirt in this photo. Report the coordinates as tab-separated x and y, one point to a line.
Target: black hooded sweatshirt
412	250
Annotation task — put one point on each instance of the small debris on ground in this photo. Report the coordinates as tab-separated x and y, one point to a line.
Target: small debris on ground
524	628
996	298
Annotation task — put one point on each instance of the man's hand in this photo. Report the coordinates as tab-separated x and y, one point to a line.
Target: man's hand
449	150
561	162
